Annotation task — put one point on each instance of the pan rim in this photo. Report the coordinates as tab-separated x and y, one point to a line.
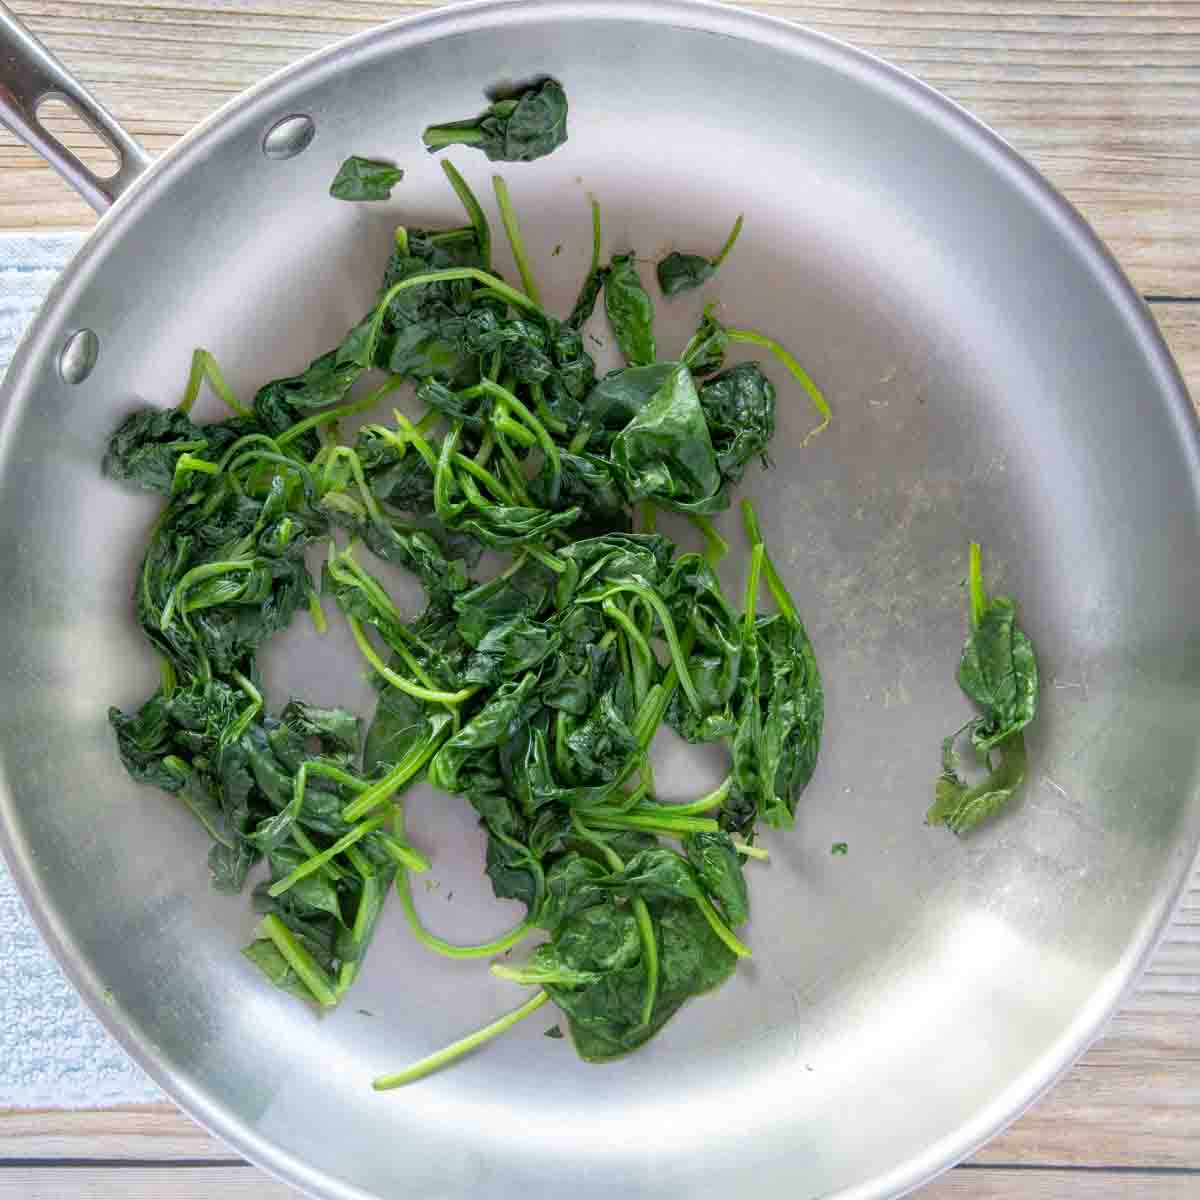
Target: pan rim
804	45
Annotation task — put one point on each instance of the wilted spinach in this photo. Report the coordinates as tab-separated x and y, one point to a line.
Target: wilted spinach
998	671
364	179
520	128
534	693
630	311
682	272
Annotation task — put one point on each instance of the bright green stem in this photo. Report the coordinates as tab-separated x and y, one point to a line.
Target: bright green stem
345	454
544	440
508	216
250	439
721	929
306	868
252	709
514	429
404	854
463	1046
311	974
751	601
316	612
362	921
678	655
199	575
723	253
580	439
345	568
398	681
408	767
413	433
204	366
775	584
715	546
641	656
449	950
361	864
483	231
641	915
547	558
979	600
752	851
444	479
187	463
650	517
331	415
498	286
437	137
798	373
546	417
693	808
477	471
671	826
595	234
650	715
166	670
311	848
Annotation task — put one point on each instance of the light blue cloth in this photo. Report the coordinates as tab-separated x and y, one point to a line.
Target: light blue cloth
53	1052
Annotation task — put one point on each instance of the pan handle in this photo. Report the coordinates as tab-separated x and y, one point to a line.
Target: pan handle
30	74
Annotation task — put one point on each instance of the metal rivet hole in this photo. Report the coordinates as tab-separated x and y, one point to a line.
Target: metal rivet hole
78	356
289	137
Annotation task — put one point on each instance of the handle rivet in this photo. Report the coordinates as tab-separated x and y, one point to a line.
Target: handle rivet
78	356
289	137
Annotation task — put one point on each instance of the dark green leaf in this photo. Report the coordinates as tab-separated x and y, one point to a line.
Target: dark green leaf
630	312
519	129
364	179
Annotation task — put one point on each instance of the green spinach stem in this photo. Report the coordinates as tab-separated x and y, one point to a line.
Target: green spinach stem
798	373
508	216
204	366
475	214
463	1046
311	974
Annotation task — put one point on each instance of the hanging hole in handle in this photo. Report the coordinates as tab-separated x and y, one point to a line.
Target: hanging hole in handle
62	121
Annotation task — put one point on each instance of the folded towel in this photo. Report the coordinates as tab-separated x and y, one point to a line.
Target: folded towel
53	1052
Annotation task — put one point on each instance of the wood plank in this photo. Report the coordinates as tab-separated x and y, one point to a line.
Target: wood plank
141	1183
242	1183
144	1132
1099	95
1180	325
994	1184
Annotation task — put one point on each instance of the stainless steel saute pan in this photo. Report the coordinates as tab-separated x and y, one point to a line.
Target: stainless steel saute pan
993	377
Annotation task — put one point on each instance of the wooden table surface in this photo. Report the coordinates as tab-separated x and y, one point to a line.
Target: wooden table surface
1104	97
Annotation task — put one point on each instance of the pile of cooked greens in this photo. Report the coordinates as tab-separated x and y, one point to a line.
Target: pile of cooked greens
535	693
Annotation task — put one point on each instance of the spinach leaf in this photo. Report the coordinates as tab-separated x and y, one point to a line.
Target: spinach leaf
522	128
147	447
630	311
365	179
665	453
719	867
739	409
619	397
998	671
682	272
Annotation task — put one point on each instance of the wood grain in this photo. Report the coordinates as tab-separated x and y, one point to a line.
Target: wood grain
1099	94
243	1183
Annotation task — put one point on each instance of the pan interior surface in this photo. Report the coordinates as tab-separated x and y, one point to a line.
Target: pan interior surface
992	379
